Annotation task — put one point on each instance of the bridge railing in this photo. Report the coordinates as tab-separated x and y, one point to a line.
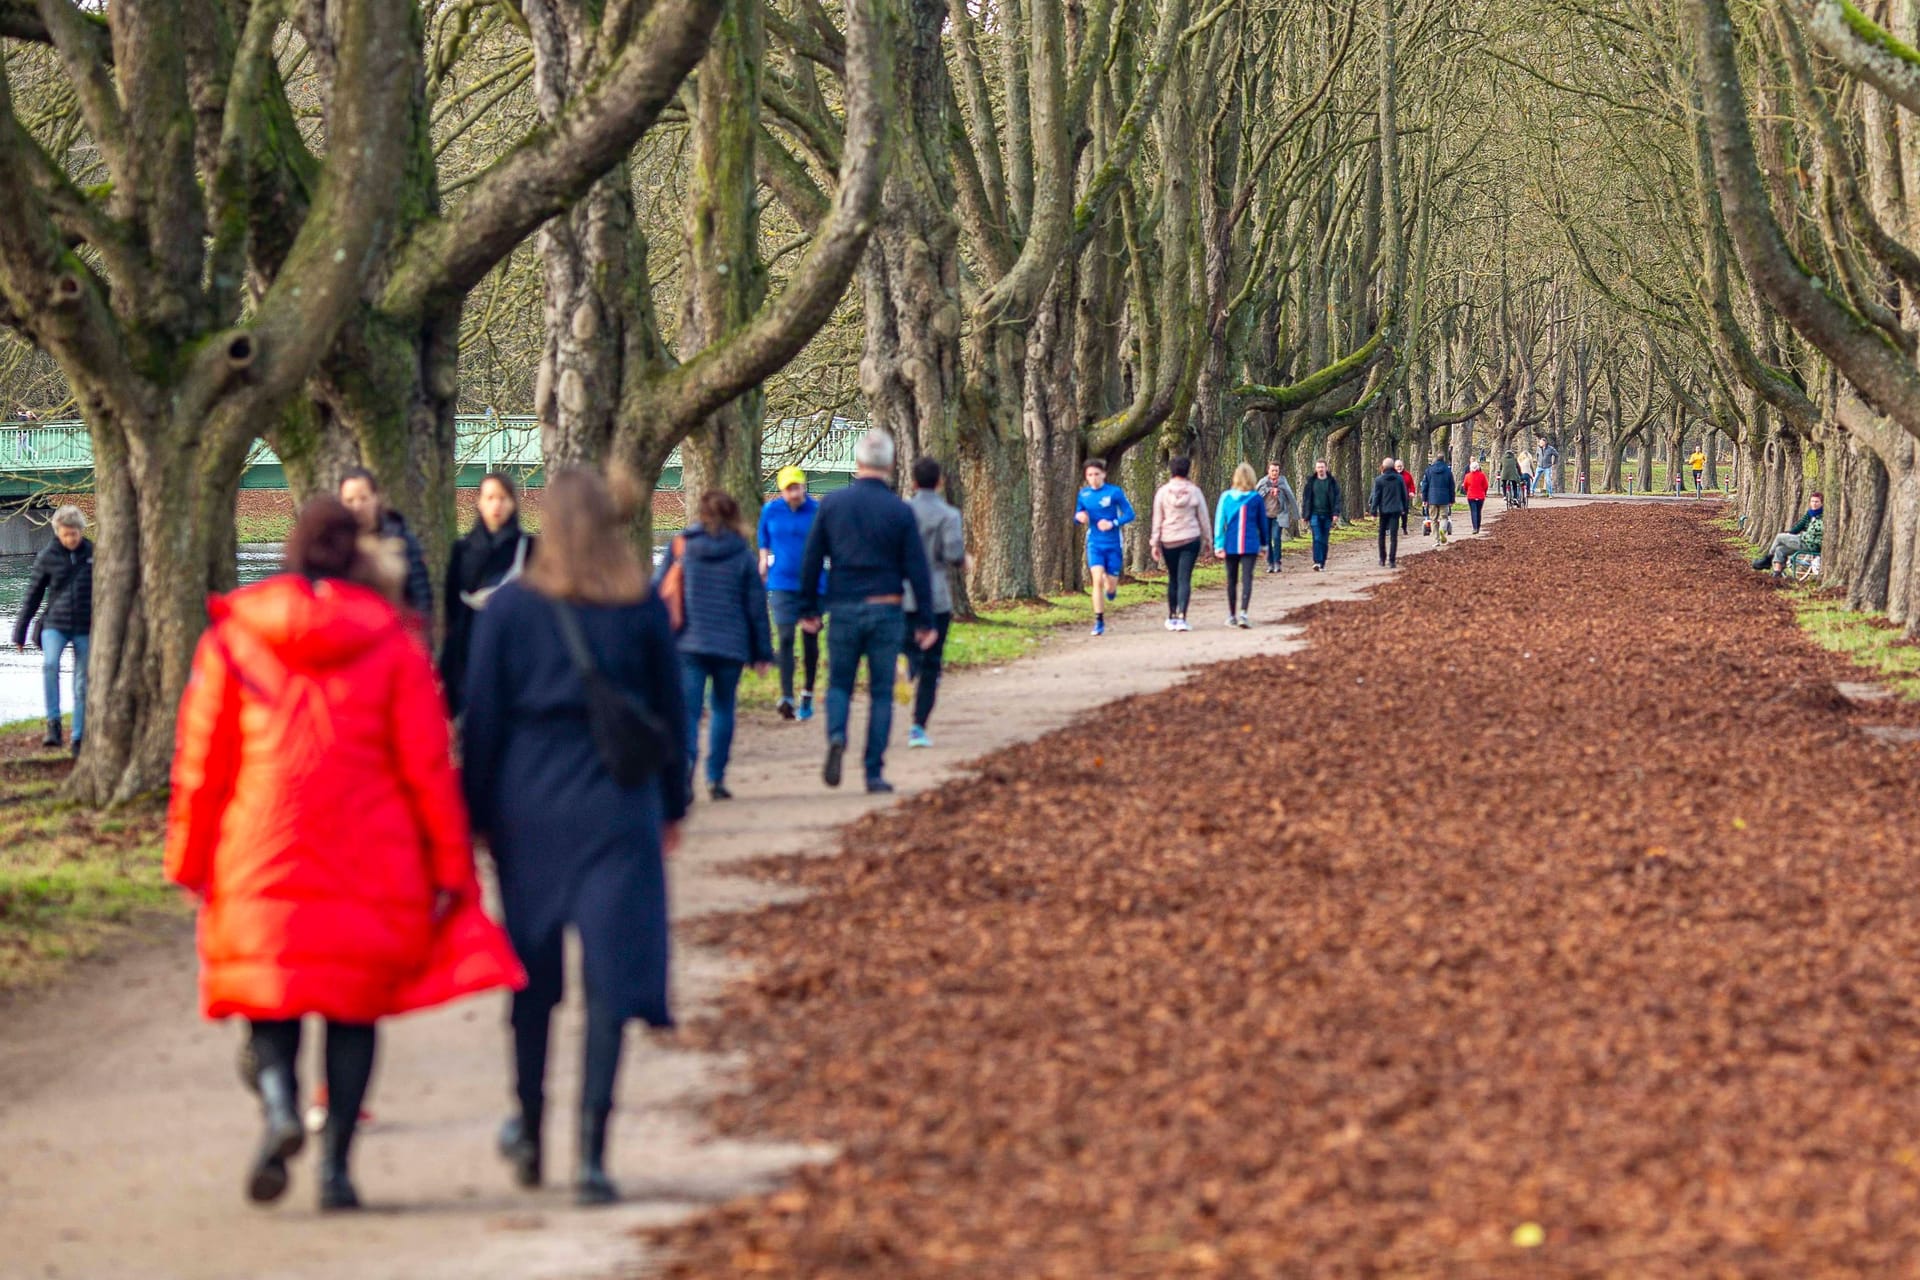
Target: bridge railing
495	440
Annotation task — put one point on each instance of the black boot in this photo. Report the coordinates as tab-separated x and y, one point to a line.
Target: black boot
591	1185
520	1145
336	1188
1763	562
53	733
283	1137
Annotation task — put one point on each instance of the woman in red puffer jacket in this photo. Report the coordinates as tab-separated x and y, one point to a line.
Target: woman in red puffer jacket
317	815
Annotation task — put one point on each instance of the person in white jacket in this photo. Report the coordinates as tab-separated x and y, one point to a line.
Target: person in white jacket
1181	525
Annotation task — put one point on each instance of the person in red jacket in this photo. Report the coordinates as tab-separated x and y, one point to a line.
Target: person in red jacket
317	816
1413	490
1474	485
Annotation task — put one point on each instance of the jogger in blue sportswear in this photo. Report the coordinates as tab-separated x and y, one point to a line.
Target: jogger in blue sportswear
1103	509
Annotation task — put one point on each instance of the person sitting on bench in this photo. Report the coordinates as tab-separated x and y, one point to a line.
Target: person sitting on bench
1803	539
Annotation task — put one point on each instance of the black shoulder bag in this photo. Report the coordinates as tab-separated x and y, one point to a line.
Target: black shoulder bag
634	743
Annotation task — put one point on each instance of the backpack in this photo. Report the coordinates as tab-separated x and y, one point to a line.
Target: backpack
672	588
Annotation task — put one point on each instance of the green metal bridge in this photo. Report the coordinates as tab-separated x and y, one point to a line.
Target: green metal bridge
42	458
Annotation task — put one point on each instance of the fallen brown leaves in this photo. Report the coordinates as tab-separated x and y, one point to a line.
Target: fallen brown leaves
1552	886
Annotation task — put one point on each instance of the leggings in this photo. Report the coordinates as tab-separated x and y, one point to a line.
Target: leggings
531	1016
1240	582
349	1069
1390	536
1180	558
810	647
923	667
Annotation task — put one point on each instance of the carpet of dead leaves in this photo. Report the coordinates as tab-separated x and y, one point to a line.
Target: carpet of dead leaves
1554	886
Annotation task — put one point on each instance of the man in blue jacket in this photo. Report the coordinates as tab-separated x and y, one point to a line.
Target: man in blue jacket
1437	491
1103	509
784	524
869	536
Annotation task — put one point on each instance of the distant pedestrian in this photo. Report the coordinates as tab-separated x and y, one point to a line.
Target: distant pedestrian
1406	478
1475	486
785	521
725	629
1438	492
316	814
871	540
1547	461
1698	464
1388	503
1240	531
946	546
1525	461
575	773
360	491
1283	508
1103	509
1180	528
1320	503
62	577
494	552
1512	480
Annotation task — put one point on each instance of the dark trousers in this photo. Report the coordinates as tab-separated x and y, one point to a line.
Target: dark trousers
1405	516
1180	558
786	621
923	665
697	672
875	634
1473	509
349	1068
1390	535
1322	527
1273	547
531	1017
1240	582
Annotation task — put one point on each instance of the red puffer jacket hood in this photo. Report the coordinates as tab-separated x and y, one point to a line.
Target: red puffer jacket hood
312	626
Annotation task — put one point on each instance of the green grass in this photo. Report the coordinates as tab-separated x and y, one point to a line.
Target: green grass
1868	642
69	877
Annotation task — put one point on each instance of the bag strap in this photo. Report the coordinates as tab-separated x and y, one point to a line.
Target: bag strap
576	642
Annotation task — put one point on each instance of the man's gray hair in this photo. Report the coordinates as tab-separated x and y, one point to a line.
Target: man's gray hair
70	517
875	450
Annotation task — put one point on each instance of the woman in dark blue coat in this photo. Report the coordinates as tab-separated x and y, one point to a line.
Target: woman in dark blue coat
572	846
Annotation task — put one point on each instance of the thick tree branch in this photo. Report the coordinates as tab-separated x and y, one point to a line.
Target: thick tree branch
1321	381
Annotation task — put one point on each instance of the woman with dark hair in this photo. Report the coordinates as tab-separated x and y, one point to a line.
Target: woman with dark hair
316	814
493	552
724	607
574	845
360	493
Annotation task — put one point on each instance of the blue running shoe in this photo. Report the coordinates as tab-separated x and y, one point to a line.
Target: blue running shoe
1113	593
917	737
1099	624
806	707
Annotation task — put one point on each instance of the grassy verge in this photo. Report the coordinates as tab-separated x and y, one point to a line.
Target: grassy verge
1869	642
69	877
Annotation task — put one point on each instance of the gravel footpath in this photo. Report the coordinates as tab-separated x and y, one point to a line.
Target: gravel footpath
1551	914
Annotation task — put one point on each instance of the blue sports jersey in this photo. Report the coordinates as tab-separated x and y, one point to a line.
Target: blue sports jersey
1105	503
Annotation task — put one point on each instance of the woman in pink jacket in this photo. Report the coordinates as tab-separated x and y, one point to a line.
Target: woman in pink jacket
1181	525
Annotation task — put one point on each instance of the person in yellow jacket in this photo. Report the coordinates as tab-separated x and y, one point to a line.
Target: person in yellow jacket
1699	464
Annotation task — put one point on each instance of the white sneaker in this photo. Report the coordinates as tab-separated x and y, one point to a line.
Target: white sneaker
1173	624
1181	624
1233	619
1245	622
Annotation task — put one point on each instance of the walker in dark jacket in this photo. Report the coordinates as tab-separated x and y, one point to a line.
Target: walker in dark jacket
482	560
418	595
1388	500
1436	486
1320	505
64	580
725	628
571	845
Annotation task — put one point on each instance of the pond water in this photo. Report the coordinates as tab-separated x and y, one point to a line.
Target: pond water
21	696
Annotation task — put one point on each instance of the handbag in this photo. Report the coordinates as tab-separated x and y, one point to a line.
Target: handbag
477	599
673	585
633	741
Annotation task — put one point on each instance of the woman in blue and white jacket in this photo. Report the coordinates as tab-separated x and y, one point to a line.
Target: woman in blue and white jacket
1240	530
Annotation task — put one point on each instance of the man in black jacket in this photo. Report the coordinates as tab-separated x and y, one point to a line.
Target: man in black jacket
63	576
1388	501
1320	506
868	541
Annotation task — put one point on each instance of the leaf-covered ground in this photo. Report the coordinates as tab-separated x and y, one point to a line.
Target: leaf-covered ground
1551	915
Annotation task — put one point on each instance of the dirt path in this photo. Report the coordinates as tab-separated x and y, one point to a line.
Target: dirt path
1550	914
123	1131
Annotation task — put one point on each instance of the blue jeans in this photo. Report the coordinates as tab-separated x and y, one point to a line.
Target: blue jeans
52	643
697	671
877	633
1322	527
